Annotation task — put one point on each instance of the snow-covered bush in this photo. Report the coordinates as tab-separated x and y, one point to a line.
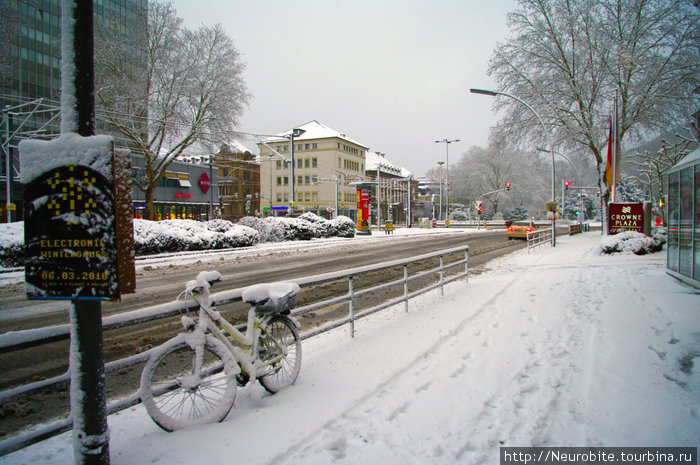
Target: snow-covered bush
342	226
151	237
307	226
631	242
12	244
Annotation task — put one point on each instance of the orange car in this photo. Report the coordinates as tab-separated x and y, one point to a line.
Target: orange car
519	229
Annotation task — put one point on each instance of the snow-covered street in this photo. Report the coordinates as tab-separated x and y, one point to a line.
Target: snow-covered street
558	347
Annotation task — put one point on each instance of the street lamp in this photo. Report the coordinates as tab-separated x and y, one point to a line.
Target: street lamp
492	93
296	132
440	163
447	174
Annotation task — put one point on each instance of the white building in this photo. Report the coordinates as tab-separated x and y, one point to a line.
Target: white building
325	162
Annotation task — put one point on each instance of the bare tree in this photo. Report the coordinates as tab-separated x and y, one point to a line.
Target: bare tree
652	165
170	89
569	59
483	170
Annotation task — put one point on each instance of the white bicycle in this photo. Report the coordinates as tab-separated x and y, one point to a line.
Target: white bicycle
192	378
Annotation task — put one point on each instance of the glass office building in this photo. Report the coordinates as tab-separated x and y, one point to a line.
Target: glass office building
30	70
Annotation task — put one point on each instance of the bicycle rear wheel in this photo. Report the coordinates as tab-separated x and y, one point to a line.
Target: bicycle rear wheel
279	338
176	397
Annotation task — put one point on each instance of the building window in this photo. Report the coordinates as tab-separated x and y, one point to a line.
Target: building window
300	180
315	146
307	146
306	163
279	197
279	164
279	181
314	162
307	196
286	180
286	197
307	180
299	163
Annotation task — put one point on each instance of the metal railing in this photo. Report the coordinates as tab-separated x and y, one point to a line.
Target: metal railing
17	340
539	237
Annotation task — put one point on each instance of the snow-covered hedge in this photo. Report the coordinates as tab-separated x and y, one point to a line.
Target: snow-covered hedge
152	237
307	226
12	244
630	242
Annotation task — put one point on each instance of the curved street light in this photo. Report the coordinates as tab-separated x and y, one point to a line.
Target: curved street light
493	93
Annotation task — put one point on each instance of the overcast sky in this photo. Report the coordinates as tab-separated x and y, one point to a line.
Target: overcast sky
393	75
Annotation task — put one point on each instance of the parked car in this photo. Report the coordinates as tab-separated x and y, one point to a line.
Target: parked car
519	229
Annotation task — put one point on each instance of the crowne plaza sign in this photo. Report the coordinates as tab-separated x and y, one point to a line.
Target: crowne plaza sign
625	217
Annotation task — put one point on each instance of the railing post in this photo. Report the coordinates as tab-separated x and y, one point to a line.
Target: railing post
442	277
352	307
405	286
466	265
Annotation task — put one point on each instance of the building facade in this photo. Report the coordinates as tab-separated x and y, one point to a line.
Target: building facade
392	191
238	182
187	191
314	175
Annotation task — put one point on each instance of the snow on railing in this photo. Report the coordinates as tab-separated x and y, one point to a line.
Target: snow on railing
16	340
539	237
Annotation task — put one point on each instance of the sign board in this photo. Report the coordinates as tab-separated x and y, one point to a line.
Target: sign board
70	231
204	183
625	217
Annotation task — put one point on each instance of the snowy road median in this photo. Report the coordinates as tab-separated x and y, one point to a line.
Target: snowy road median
562	347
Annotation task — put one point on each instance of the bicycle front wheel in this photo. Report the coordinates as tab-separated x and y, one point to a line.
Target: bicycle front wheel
279	348
176	396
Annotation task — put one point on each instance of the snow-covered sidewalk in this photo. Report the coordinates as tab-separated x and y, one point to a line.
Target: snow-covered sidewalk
559	347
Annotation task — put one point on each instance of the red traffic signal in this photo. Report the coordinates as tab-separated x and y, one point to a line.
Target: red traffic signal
567	184
507	186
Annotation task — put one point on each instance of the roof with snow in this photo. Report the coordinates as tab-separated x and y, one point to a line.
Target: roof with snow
372	159
314	130
688	160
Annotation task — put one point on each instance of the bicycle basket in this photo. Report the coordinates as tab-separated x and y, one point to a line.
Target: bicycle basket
271	298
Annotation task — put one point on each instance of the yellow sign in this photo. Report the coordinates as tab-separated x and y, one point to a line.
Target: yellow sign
11	207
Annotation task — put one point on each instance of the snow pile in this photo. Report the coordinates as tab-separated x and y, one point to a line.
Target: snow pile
12	244
631	242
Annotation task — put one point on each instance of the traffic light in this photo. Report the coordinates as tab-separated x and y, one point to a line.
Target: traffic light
507	186
478	209
567	184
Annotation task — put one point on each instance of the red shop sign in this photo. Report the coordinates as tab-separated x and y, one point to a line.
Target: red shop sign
204	183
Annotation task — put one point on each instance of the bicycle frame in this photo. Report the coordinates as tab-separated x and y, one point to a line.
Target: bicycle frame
246	354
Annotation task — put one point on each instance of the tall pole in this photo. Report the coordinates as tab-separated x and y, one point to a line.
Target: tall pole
379	203
447	143
291	175
493	93
440	164
8	164
88	402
